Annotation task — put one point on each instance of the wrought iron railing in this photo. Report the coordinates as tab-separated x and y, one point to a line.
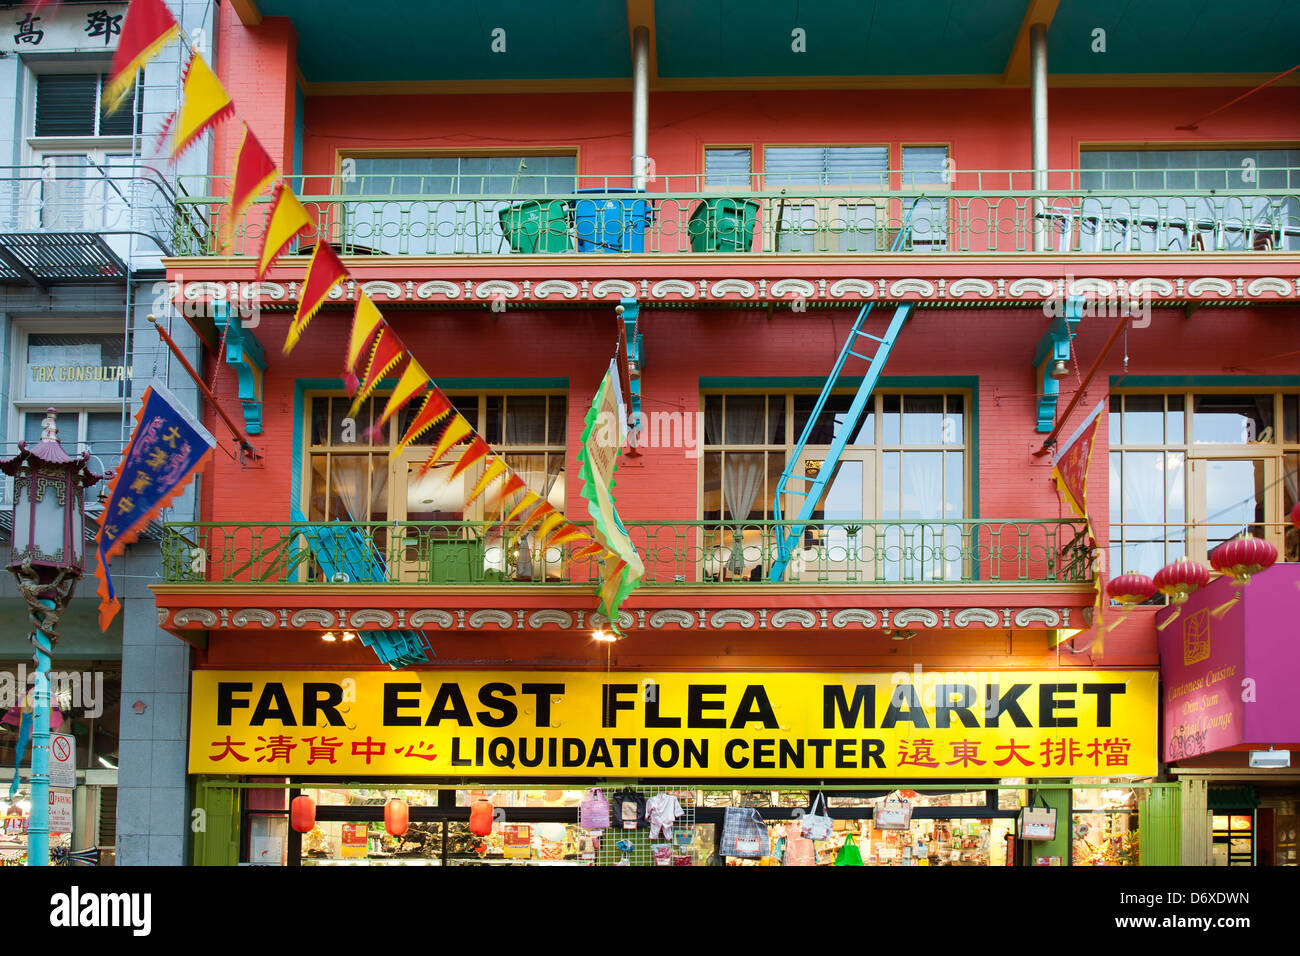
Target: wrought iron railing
79	193
972	212
728	554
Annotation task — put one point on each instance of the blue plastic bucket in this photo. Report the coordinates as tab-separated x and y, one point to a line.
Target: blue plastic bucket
604	223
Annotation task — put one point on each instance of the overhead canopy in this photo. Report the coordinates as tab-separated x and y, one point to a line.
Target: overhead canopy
708	42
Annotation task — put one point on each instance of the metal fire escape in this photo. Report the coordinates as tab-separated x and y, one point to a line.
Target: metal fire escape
857	345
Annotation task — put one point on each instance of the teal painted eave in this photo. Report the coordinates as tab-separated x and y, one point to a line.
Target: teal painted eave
1175	36
732	38
423	42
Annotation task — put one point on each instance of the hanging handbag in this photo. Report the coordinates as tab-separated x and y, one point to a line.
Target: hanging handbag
480	817
744	834
892	813
849	854
593	812
817	826
1037	823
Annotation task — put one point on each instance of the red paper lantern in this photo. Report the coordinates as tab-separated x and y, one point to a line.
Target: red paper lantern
480	817
302	814
1181	578
1131	589
397	817
1295	515
1242	557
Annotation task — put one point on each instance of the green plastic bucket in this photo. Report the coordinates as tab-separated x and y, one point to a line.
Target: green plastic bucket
536	226
723	225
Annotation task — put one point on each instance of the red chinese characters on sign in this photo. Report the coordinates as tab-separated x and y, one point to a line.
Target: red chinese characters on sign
411	751
278	747
229	750
921	754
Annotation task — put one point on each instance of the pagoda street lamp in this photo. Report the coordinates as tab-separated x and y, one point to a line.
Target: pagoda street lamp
47	559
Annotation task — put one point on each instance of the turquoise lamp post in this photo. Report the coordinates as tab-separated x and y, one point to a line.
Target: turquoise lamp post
47	559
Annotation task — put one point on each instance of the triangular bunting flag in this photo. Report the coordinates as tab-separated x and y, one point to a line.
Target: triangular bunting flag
524	503
365	320
536	515
253	169
288	218
456	430
384	356
324	272
495	469
435	407
549	524
590	550
146	29
565	534
413	379
476	449
513	483
204	103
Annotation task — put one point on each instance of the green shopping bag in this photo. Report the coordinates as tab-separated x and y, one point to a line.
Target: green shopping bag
849	854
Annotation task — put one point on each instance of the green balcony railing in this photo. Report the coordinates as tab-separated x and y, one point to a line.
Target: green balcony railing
972	212
727	554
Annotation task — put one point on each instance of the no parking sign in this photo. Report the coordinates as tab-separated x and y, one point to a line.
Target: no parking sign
63	761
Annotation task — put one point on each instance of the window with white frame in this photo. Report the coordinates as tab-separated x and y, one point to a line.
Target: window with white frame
414	209
848	223
82	158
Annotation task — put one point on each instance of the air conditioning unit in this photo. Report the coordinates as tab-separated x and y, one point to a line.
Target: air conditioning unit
1270	758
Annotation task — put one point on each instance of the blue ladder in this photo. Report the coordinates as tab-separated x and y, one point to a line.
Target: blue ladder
346	555
816	486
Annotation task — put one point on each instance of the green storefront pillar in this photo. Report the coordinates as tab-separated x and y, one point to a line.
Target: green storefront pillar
216	829
1058	800
1160	825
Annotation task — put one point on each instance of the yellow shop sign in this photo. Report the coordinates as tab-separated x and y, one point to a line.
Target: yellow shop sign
680	725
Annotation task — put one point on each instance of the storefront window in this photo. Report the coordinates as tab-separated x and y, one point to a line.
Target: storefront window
1104	827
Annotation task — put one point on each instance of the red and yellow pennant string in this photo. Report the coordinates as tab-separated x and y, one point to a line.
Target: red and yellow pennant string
324	272
435	408
287	220
366	321
413	380
204	103
476	449
524	503
147	27
495	469
254	168
384	356
457	430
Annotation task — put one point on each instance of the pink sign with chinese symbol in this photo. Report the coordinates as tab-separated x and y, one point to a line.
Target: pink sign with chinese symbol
1225	666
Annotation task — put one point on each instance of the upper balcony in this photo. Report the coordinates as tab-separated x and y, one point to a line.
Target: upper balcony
78	218
1087	213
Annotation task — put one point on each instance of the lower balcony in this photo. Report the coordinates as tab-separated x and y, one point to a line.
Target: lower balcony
466	554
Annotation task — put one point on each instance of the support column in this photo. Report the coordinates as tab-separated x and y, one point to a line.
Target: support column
640	105
1195	794
1038	101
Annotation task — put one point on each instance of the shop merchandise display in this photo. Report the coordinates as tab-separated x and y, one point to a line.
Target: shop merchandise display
593	812
744	834
628	809
662	811
817	826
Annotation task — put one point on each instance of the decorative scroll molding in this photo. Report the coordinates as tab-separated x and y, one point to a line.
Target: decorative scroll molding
671	615
794	615
922	287
377	287
859	287
426	290
980	287
626	621
188	616
486	616
916	615
163	614
796	287
439	619
854	615
561	287
562	619
731	616
615	287
1257	287
311	615
741	287
976	615
1041	615
371	615
245	616
1209	285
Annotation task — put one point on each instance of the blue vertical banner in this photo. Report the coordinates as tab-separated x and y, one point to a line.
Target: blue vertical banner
167	448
